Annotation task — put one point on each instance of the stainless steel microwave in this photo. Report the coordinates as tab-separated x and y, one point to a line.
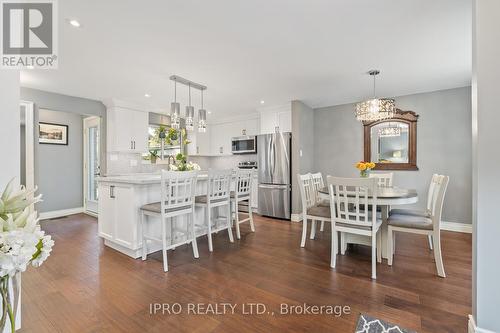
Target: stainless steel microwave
244	145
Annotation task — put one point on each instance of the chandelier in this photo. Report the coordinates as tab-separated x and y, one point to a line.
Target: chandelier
376	108
389	131
175	116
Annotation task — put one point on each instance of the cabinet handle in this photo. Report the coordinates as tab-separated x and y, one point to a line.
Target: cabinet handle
112	192
134	144
131	144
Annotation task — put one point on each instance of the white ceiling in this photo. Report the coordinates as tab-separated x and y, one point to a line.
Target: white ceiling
245	51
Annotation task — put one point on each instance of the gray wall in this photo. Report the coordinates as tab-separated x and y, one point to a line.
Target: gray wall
444	142
486	136
54	164
302	140
59	169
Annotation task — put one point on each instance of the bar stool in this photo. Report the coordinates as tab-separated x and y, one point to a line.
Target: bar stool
177	199
218	196
242	192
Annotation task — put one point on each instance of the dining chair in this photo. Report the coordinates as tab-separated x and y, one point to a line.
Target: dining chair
383	179
311	210
318	184
422	225
242	192
177	199
348	218
428	207
218	196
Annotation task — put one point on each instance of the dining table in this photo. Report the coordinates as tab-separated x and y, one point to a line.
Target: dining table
386	198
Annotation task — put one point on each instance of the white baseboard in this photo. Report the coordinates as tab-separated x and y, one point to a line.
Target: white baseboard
457	227
472	328
445	225
59	213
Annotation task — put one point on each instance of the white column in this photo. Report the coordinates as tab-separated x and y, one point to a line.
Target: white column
10	151
486	148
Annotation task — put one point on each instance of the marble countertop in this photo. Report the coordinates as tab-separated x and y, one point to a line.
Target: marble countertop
140	178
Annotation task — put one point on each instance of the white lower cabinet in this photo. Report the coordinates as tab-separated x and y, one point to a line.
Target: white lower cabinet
118	215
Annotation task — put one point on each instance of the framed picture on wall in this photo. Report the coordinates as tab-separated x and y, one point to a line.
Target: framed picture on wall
52	134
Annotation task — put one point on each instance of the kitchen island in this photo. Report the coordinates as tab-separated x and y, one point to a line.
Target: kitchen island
120	199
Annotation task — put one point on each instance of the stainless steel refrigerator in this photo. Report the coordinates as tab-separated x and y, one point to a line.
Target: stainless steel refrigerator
274	171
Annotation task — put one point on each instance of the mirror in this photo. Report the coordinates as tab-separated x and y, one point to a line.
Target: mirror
391	143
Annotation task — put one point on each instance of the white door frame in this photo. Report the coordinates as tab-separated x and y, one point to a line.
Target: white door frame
30	144
88	122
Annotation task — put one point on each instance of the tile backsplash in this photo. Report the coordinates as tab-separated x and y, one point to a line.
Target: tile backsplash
126	163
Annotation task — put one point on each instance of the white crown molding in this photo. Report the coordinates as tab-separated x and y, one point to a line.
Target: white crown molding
59	213
118	103
472	328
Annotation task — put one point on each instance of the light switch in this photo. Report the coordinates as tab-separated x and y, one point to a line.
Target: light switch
113	157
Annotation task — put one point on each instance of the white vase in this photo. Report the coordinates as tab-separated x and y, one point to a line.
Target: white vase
15	303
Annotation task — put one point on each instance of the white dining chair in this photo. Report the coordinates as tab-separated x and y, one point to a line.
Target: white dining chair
349	219
218	196
177	199
383	179
428	207
242	192
422	225
311	210
318	184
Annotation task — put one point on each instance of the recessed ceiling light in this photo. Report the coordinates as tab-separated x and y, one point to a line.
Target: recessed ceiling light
209	112
75	23
262	102
147	95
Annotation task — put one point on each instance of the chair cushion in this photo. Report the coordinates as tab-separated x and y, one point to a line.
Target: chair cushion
321	211
202	199
409	221
411	212
156	208
324	203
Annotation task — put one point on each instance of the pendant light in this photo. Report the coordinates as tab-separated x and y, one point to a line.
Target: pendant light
175	110
202	117
189	113
389	131
376	108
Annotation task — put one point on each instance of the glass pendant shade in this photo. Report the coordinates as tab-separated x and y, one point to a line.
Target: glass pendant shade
189	118
175	116
202	120
375	109
389	131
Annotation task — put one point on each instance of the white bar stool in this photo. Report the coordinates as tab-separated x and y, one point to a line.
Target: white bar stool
218	195
242	192
177	199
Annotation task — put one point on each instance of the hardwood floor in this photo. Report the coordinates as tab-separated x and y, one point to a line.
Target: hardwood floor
87	287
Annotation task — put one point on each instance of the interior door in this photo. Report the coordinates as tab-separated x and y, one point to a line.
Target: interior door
92	162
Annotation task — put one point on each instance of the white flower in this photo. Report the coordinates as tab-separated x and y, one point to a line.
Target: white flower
47	244
16	251
173	167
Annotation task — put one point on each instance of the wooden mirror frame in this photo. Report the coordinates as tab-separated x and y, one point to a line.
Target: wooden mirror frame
408	117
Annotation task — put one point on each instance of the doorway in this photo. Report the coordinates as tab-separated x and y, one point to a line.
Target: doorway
92	163
27	141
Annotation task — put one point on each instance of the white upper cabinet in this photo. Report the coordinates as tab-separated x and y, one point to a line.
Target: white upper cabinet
276	119
222	133
127	128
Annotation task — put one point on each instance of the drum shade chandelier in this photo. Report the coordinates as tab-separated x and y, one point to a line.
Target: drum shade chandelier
376	108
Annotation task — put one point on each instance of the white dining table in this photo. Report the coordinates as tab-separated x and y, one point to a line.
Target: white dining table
386	197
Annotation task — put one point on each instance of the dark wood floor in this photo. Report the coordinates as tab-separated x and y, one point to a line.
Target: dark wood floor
87	287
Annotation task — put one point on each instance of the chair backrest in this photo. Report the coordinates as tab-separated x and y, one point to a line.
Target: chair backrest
317	184
177	189
307	195
219	184
346	197
437	205
243	185
430	193
384	179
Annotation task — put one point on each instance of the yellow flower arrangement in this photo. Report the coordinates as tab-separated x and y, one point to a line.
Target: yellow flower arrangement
364	168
